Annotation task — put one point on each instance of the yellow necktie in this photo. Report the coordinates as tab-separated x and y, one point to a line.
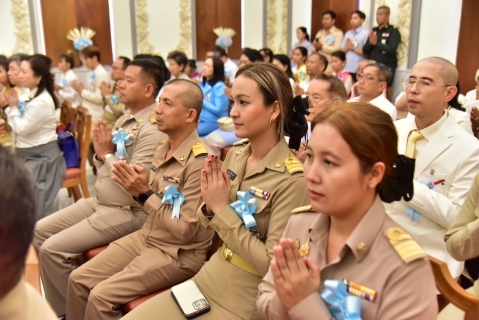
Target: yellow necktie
412	140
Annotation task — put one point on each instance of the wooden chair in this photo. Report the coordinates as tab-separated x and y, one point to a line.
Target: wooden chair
32	269
452	291
77	176
67	113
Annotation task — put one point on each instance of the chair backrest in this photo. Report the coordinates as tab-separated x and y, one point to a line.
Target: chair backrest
452	291
67	113
83	133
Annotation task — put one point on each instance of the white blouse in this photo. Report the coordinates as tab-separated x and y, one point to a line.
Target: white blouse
67	92
37	125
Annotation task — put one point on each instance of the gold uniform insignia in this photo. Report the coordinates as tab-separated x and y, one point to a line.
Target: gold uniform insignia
153	117
293	165
241	142
162	142
404	245
303	249
302	209
199	150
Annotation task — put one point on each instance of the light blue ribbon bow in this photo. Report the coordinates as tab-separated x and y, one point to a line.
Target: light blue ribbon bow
120	137
244	208
342	306
114	99
63	83
23	107
92	77
174	198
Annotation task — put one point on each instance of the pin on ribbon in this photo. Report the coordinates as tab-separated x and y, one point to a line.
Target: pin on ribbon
120	138
342	306
245	208
174	198
114	99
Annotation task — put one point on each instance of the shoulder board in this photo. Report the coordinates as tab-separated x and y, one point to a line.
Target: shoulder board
162	142
241	142
199	150
407	249
153	117
302	209
293	165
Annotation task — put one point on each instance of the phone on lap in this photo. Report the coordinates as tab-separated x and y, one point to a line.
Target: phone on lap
190	299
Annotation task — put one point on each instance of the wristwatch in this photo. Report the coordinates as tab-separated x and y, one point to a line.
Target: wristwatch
143	197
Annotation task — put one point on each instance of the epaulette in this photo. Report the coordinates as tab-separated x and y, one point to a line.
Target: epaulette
293	165
153	117
302	209
241	142
162	142
199	150
404	245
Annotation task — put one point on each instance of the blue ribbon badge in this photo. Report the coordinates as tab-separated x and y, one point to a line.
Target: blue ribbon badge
120	137
174	198
92	77
23	106
114	99
414	214
63	83
342	306
245	208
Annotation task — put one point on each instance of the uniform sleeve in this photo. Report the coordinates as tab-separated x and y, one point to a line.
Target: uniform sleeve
117	108
187	226
33	118
439	208
463	235
392	46
219	101
336	45
240	240
95	96
410	293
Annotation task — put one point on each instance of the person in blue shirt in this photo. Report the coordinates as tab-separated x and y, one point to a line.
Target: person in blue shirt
215	101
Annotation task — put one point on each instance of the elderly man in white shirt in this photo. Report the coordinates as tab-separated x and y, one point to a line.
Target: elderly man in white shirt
371	85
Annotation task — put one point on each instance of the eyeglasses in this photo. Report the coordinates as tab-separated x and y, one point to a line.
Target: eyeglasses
421	84
367	78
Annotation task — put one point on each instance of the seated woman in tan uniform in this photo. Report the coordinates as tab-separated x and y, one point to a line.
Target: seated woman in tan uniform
344	257
262	168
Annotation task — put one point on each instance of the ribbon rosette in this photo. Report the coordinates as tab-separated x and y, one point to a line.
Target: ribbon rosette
245	208
343	307
114	99
81	43
63	83
174	198
23	106
120	137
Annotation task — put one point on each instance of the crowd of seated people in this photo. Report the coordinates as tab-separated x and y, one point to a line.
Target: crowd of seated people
340	224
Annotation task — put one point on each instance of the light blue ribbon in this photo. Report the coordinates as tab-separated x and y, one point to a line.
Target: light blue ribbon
23	107
245	208
342	306
92	77
120	138
175	199
414	214
114	99
63	83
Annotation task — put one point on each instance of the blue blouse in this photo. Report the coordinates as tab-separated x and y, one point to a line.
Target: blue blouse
215	101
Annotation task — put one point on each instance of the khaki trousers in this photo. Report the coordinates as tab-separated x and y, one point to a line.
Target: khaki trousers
62	237
128	269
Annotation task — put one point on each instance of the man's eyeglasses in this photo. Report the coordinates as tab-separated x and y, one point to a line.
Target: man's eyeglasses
367	78
421	84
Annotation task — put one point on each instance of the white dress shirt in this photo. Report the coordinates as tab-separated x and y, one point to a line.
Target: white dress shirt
67	92
382	103
462	118
37	126
230	70
92	97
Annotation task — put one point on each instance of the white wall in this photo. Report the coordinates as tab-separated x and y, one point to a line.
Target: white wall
121	27
252	24
439	29
300	17
7	27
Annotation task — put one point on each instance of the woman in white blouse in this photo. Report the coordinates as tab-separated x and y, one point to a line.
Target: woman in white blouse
32	119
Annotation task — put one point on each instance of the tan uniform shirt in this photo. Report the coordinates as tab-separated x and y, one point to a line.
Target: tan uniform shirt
462	238
227	287
331	41
160	229
404	290
113	109
23	302
141	148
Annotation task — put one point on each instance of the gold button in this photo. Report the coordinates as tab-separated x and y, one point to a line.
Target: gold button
182	158
140	120
277	165
289	160
361	247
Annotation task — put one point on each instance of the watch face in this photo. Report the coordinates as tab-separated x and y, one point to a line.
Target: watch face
142	197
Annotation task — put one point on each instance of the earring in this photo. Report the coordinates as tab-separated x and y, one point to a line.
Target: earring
270	119
371	185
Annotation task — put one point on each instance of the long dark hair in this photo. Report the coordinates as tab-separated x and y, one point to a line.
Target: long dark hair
303	29
40	67
284	59
218	71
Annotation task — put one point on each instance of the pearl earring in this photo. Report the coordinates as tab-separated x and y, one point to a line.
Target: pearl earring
270	119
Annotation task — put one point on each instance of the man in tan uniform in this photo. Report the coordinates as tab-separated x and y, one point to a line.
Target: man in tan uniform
111	94
62	237
171	247
328	39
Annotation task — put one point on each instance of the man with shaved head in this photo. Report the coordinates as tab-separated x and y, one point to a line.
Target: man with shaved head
171	247
447	158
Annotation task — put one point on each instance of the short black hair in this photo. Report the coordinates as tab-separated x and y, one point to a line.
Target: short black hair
68	57
331	13
179	57
361	14
192	64
126	61
252	54
339	54
152	70
268	52
17	213
221	52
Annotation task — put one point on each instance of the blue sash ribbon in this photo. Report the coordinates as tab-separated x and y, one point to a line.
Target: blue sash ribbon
174	198
120	137
414	214
114	99
245	208
342	306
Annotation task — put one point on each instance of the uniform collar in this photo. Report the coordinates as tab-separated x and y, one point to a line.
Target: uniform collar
274	160
385	27
333	29
430	131
358	29
182	154
362	237
143	115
